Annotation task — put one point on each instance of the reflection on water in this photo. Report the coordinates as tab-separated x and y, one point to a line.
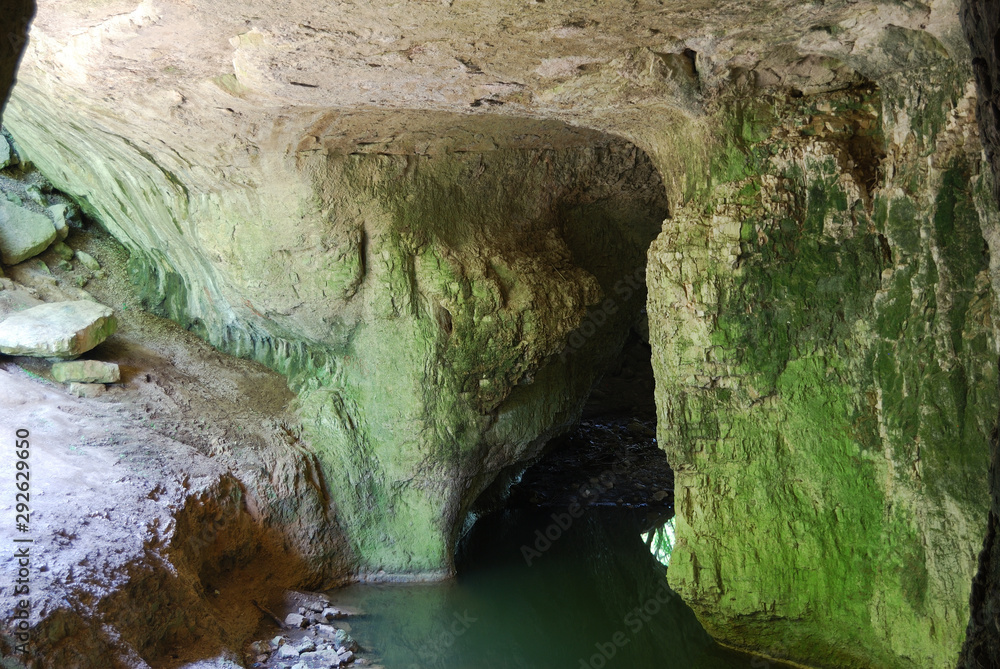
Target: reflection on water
541	590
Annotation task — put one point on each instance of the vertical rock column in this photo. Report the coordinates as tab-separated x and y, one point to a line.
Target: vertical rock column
824	352
422	304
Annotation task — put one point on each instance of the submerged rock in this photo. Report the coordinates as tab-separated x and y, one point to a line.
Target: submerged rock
57	330
23	233
345	640
86	371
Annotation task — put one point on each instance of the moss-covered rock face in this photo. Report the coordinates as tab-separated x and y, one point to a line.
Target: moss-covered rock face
822	321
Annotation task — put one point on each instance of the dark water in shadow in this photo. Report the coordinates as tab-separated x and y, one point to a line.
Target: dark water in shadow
595	598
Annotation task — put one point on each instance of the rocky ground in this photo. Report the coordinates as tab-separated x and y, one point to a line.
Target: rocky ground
314	634
165	508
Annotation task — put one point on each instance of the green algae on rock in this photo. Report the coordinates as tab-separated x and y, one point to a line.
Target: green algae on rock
823	343
86	371
427	262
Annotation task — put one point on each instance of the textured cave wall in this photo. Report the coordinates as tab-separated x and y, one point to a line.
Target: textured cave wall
981	21
822	322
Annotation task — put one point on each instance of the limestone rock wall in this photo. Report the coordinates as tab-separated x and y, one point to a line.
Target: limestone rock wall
822	325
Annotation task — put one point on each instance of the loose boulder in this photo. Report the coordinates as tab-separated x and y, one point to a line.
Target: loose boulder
86	371
34	191
296	620
57	329
23	233
64	252
89	261
60	214
7	155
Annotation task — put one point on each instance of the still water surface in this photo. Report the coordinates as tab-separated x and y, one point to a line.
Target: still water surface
596	598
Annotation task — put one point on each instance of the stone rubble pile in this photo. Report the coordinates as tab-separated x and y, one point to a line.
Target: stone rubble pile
27	230
71	322
313	641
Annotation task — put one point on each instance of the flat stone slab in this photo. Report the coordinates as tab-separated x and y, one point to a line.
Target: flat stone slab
86	371
57	329
86	389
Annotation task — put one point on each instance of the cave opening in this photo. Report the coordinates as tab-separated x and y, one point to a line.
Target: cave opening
610	459
569	564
